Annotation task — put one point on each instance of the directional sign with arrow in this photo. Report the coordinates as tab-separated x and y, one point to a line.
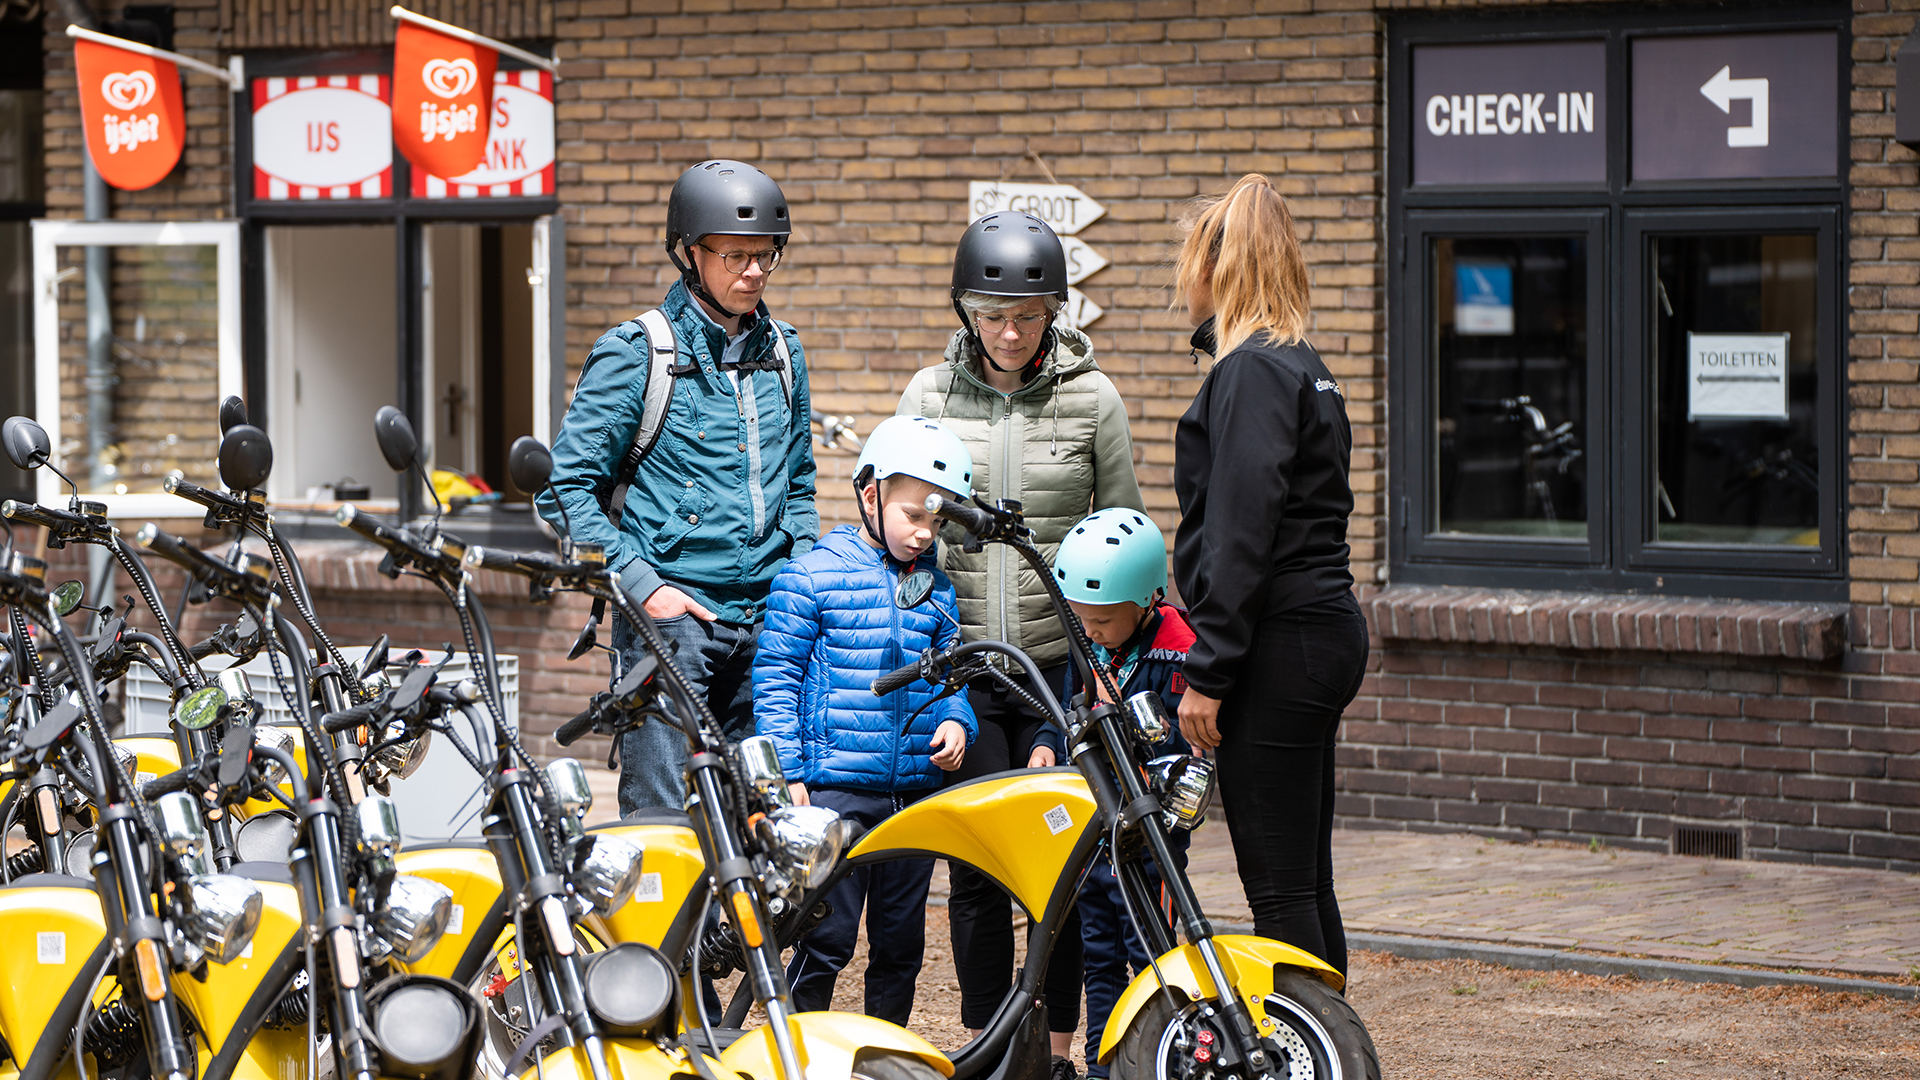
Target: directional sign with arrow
1067	210
1723	90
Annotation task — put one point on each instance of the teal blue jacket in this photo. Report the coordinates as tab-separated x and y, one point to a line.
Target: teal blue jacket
720	504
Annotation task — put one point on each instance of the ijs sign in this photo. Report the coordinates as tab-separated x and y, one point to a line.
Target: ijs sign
132	113
322	137
1521	113
442	99
520	152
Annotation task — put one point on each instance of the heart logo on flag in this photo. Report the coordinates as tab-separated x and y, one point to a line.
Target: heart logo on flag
449	78
132	112
127	89
442	99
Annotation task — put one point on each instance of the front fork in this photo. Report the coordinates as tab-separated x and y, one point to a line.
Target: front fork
1138	807
146	963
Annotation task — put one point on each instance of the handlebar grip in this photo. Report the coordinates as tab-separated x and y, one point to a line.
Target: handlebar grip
35	514
176	551
975	521
350	517
486	558
177	780
348	718
570	731
207	497
895	679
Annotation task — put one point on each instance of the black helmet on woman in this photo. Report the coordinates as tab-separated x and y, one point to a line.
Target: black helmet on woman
723	197
1013	254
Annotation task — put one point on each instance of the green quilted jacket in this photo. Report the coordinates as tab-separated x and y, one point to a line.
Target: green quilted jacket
1060	445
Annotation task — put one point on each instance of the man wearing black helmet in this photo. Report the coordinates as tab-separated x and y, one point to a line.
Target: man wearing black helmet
1046	427
686	452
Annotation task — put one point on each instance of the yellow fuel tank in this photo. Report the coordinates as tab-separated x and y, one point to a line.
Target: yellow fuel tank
55	937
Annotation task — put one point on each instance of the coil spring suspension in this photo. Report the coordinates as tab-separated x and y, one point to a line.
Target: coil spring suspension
720	951
114	1034
23	863
290	1011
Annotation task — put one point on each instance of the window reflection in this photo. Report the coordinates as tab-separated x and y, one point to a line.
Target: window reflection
1510	352
1735	458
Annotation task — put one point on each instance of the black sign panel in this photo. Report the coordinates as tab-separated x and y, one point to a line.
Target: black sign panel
1524	113
1736	106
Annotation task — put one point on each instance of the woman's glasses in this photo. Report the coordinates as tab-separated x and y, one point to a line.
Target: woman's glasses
1026	324
736	261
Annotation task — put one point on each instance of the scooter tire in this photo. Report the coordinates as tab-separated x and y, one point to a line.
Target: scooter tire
892	1065
1318	1033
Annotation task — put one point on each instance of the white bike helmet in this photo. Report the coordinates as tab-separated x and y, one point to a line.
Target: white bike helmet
918	447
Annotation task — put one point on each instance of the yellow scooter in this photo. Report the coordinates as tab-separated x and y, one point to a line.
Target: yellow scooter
1212	1007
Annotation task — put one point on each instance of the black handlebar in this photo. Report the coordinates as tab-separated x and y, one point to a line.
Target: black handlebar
485	558
972	519
218	501
44	516
216	574
349	718
177	780
566	734
901	676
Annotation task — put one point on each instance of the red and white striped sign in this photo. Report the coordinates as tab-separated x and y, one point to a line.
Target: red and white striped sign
520	154
323	137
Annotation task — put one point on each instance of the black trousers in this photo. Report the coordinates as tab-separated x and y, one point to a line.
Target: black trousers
980	913
1277	730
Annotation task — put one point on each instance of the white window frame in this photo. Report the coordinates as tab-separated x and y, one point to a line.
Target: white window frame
48	237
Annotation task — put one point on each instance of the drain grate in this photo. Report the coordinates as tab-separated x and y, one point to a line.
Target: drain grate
1706	841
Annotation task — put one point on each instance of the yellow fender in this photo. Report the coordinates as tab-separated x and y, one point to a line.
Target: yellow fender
1248	963
627	1059
1018	828
474	878
827	1043
53	935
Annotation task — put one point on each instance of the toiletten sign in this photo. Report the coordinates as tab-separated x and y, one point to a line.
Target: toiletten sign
1736	376
1527	113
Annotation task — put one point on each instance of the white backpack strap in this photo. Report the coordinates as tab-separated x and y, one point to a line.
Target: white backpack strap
786	362
660	363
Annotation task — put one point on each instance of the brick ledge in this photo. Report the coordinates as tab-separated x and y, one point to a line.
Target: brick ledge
1569	620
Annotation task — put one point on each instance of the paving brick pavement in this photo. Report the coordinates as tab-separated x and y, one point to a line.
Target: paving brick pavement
1559	896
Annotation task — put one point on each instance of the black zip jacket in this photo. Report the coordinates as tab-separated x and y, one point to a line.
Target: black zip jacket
1260	467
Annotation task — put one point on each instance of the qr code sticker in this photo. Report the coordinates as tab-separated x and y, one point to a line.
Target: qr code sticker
1058	820
651	891
50	946
458	920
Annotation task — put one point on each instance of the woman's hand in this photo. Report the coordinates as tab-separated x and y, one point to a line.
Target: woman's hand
1041	758
668	602
949	745
1200	719
799	793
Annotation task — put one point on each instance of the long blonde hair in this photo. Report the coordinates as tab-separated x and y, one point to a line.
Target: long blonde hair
1245	243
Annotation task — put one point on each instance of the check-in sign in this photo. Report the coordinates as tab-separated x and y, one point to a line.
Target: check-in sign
1521	113
1736	376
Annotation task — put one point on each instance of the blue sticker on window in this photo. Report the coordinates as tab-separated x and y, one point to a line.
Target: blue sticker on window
1483	298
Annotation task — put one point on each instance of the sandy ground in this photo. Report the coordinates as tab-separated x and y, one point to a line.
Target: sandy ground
1461	1020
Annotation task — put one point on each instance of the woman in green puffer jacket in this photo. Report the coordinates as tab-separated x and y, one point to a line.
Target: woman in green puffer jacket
1046	427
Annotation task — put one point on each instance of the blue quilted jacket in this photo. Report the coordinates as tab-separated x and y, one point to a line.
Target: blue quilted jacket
831	629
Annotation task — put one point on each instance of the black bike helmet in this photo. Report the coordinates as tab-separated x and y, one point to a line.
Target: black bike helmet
724	197
1009	253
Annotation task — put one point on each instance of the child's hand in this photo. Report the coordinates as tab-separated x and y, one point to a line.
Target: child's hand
799	793
1041	758
949	745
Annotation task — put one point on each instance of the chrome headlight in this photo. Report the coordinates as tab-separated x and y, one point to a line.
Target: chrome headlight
568	779
235	683
226	912
803	843
760	768
610	874
402	759
128	761
177	817
379	822
1184	785
1148	715
414	917
280	739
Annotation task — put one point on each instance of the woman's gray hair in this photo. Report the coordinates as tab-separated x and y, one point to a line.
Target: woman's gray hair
978	304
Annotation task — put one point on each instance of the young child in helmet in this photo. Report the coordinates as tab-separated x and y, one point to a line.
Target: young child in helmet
832	628
1112	567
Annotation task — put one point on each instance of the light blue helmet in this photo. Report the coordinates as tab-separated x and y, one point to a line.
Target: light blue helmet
918	447
1113	555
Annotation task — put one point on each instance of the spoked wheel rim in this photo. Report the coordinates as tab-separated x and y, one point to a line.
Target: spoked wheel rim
1299	1044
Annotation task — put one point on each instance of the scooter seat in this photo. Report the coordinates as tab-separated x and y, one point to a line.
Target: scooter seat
46	881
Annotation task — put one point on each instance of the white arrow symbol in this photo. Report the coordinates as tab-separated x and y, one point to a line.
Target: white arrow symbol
1723	88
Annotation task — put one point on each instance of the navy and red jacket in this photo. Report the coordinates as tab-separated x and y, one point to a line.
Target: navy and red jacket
1157	653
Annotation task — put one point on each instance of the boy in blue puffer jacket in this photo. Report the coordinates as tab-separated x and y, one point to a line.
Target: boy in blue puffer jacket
832	628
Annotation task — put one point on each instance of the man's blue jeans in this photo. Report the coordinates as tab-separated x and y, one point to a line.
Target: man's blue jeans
717	657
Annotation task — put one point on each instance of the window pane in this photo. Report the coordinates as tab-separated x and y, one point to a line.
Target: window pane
145	403
1509	325
1734	358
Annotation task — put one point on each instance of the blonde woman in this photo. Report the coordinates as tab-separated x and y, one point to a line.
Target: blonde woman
1260	468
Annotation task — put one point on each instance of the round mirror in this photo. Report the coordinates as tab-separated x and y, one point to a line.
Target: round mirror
233	412
246	457
198	710
67	596
913	589
394	432
529	463
26	442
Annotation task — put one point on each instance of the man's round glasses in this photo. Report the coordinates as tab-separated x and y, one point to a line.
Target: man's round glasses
736	261
1026	324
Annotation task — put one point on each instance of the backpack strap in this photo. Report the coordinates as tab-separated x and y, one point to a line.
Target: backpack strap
661	347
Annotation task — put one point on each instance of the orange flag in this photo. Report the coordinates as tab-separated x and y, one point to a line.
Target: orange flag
131	110
442	99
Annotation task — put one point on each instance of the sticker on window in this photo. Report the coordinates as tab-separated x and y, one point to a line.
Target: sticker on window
651	891
50	946
1058	820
